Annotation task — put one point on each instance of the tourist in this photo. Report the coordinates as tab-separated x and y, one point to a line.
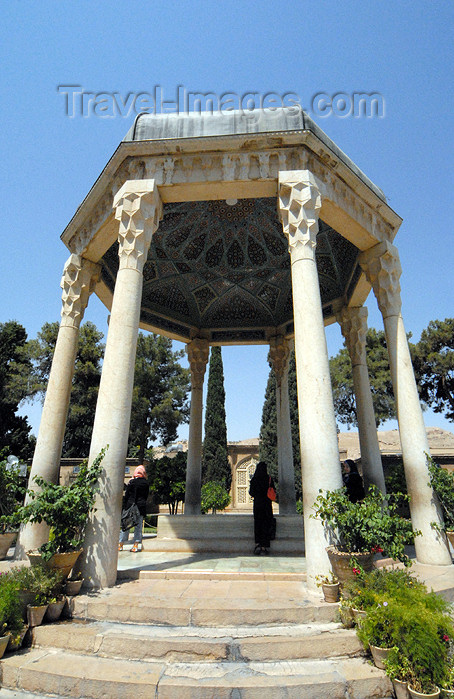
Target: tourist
352	481
263	509
136	492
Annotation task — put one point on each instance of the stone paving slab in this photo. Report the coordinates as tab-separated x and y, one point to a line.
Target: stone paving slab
109	639
72	675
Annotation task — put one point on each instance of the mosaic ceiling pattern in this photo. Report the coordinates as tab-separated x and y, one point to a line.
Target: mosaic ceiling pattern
216	266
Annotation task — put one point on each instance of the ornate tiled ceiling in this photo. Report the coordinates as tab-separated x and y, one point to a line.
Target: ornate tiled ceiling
216	266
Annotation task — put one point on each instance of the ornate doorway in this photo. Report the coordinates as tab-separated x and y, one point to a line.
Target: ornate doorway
243	474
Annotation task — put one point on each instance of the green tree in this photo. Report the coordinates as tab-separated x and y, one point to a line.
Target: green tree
215	462
85	384
268	430
379	376
15	388
160	395
167	478
433	361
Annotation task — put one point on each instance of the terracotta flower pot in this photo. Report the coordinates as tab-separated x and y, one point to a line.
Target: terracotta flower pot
420	695
358	615
400	689
15	642
64	562
54	610
347	618
35	615
6	541
379	655
330	592
340	562
72	587
4	640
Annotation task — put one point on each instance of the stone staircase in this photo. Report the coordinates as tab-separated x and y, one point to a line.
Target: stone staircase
183	637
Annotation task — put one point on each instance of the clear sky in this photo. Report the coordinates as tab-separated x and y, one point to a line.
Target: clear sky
401	50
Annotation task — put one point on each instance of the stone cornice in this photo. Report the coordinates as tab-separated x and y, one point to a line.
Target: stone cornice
252	158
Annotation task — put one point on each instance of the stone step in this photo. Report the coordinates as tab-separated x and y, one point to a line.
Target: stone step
56	672
245	546
144	574
138	642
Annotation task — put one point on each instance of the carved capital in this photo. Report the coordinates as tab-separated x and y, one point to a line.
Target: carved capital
78	281
381	266
197	351
299	204
353	323
138	208
278	357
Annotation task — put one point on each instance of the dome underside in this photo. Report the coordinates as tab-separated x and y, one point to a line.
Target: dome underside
214	266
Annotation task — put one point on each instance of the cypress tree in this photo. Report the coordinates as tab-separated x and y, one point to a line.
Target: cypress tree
268	430
215	463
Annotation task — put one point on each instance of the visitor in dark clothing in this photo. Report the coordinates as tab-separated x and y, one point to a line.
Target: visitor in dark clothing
136	492
353	481
263	509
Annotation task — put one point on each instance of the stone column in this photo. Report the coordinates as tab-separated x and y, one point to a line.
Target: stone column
299	204
197	350
278	359
382	268
138	210
353	323
78	281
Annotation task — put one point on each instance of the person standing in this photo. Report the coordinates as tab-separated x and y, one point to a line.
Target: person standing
136	492
353	481
262	509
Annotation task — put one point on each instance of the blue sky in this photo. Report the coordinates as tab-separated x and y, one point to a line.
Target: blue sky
402	50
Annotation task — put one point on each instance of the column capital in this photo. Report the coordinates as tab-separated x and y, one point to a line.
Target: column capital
197	350
381	265
299	203
353	324
138	208
78	281
278	356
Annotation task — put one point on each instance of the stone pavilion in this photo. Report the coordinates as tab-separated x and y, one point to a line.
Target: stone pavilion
218	229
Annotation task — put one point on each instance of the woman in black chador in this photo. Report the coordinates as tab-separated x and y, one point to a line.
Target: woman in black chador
353	481
263	509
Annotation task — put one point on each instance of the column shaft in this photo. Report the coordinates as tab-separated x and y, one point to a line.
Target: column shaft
198	351
79	278
138	208
300	202
353	322
382	267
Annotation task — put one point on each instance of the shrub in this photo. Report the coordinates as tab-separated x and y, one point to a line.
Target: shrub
10	606
214	497
369	525
12	491
442	481
65	509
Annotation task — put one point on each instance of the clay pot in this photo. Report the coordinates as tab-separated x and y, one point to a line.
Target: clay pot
330	592
64	562
420	695
358	614
379	655
35	615
400	689
54	610
6	541
446	693
340	562
72	587
4	640
15	642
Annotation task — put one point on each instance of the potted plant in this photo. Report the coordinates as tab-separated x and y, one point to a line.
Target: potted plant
11	619
442	482
447	687
12	491
399	672
361	529
65	509
73	585
330	586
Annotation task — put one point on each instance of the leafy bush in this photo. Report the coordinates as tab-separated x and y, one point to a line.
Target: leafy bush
369	525
65	509
11	620
442	481
44	584
214	497
12	492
